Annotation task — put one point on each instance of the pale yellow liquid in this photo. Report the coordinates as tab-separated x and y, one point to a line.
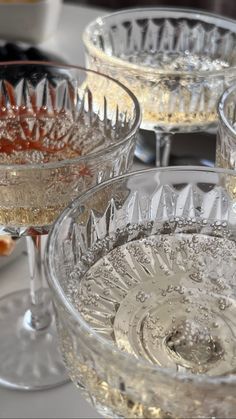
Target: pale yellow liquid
35	197
151	118
170	100
30	216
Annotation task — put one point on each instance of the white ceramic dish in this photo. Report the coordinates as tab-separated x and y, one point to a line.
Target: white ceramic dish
31	22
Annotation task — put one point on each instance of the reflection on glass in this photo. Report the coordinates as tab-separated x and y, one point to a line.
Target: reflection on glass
142	271
58	138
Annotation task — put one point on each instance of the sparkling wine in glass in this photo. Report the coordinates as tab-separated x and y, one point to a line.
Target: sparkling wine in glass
176	61
142	270
57	139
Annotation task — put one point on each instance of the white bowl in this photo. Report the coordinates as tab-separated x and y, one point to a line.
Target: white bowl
29	22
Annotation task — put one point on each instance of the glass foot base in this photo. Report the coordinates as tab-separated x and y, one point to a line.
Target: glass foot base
29	359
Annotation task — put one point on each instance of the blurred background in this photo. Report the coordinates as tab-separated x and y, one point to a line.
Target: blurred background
223	7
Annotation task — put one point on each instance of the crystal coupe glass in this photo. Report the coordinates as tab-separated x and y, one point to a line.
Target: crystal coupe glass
58	137
226	135
177	62
142	270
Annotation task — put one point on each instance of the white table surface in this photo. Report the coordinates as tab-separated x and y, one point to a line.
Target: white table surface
64	401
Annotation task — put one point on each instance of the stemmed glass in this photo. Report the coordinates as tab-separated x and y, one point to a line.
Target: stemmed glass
142	270
177	62
226	135
59	135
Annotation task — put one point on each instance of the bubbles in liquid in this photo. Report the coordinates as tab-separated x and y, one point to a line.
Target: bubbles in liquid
171	301
176	61
141	296
49	136
193	344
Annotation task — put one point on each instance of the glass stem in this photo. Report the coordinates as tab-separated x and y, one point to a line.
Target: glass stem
38	316
163	144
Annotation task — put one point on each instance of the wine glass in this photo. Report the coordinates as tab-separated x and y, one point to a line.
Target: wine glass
226	135
142	271
58	137
177	62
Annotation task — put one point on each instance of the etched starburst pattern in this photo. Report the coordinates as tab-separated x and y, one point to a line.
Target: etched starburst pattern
120	255
66	118
137	211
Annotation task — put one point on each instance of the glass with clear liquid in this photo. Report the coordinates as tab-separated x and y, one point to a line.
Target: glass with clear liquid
145	294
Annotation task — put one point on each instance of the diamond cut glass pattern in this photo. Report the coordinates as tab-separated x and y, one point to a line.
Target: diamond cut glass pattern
142	270
177	62
61	132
